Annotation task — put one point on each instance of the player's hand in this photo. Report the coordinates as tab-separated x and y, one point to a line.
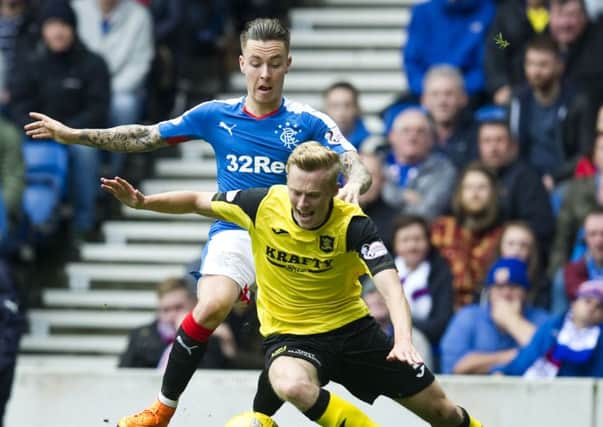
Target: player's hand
123	191
46	128
349	192
405	351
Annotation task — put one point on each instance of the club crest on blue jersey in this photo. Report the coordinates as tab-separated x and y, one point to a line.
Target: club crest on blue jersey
288	134
327	243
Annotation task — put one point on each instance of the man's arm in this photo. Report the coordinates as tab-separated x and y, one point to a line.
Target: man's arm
357	177
174	202
482	363
388	285
128	138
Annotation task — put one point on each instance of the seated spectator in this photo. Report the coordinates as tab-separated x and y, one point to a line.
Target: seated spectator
150	345
121	32
516	22
11	178
426	279
11	327
589	266
548	115
417	180
371	201
568	345
445	98
578	38
480	338
581	197
522	195
461	44
518	241
468	238
64	79
19	32
342	105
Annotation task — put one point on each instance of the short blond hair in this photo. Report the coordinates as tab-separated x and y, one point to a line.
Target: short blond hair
173	284
312	156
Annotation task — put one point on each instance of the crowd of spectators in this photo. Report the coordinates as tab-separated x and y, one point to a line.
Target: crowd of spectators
486	181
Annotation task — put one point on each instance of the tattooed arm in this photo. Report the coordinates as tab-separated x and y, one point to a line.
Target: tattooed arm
358	178
128	138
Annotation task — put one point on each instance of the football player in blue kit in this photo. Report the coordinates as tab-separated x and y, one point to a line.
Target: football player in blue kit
252	138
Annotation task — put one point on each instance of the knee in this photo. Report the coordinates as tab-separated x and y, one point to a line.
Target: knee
446	414
211	312
290	389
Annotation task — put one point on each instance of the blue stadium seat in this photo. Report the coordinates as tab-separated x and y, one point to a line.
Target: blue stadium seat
46	168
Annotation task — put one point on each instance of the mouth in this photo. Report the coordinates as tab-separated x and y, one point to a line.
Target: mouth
264	89
304	216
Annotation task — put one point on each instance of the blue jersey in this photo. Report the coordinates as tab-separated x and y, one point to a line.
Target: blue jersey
252	151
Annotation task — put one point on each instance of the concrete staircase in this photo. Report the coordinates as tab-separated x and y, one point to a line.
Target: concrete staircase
111	289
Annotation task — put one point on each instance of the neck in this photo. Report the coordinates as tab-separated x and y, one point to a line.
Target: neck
260	109
444	131
548	95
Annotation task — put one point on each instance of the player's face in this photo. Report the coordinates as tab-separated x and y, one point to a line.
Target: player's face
310	196
444	99
341	106
516	242
542	68
264	64
411	244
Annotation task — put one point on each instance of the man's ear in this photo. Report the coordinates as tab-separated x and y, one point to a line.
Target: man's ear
242	63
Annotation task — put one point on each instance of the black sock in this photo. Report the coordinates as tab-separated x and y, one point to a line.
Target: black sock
465	422
184	359
320	406
266	401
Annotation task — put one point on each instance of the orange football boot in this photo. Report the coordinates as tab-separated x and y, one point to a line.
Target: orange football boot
158	415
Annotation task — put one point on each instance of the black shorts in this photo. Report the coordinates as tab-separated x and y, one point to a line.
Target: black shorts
355	357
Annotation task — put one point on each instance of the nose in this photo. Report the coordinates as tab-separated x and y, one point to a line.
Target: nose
265	72
301	202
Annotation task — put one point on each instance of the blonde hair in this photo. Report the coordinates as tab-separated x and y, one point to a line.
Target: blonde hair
312	156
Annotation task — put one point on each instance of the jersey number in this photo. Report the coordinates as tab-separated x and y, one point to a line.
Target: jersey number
255	164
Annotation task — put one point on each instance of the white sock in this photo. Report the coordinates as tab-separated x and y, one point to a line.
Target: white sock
167	402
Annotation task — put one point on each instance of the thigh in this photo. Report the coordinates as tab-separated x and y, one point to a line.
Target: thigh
228	253
307	348
366	372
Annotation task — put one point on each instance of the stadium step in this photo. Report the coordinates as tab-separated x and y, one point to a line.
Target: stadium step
372	3
66	361
395	17
81	275
75	344
41	322
347	39
333	60
154	186
204	168
120	232
160	217
310	81
140	252
100	299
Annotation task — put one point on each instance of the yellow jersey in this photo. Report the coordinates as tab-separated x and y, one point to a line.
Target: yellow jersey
307	280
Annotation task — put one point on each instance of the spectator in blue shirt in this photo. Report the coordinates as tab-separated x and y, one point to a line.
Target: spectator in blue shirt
342	105
568	345
480	338
448	32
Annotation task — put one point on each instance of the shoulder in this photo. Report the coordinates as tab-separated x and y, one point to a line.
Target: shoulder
307	112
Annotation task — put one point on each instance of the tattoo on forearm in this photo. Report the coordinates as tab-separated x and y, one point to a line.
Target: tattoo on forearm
355	171
128	138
